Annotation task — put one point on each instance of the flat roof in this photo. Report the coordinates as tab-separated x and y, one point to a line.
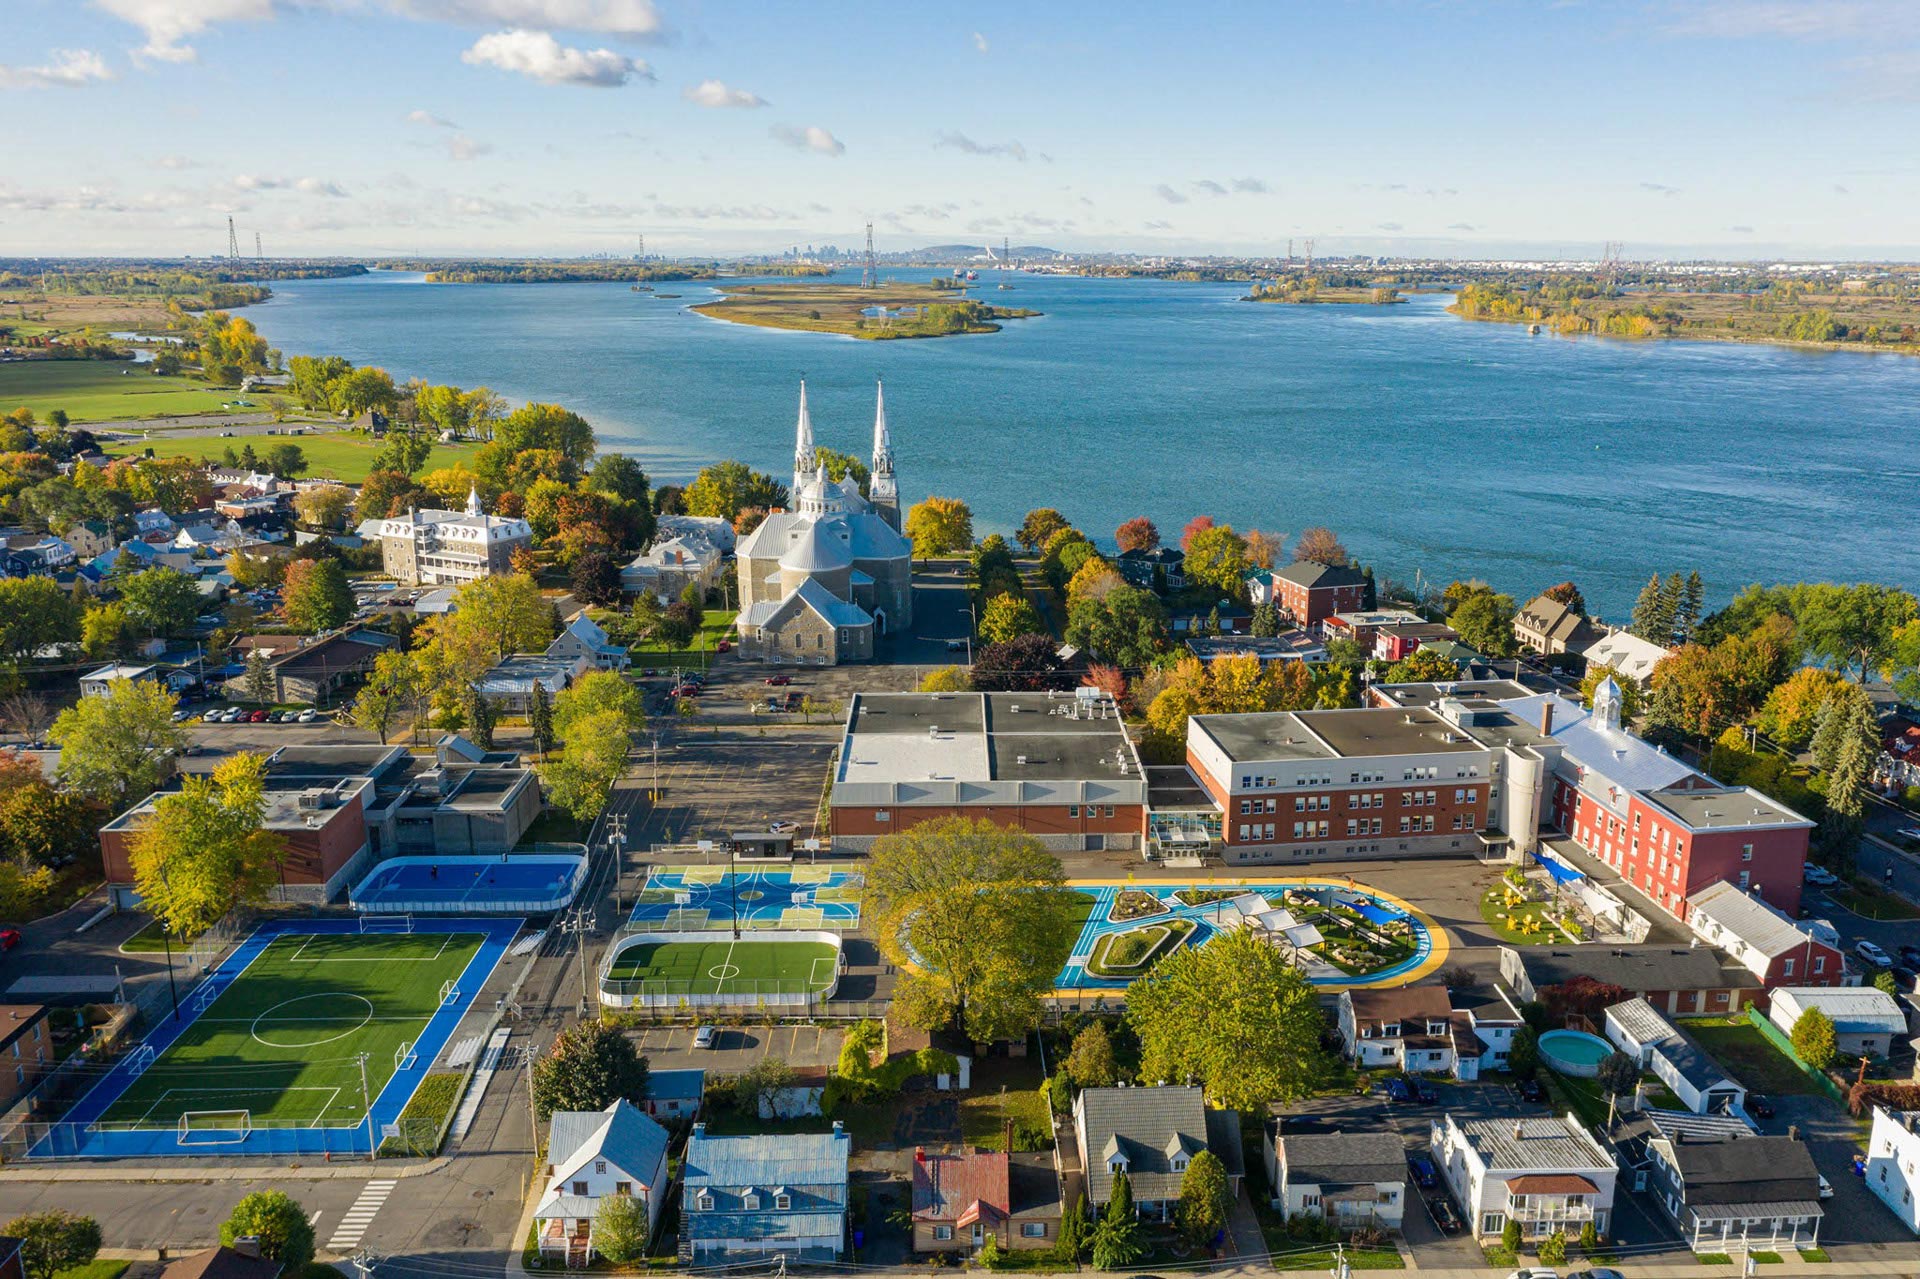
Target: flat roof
484	787
1383	731
1263	735
1711	808
1426	694
1173	786
985	738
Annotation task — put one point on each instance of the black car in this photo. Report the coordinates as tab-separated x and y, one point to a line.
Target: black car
1445	1219
1758	1106
1532	1090
1425	1092
1910	955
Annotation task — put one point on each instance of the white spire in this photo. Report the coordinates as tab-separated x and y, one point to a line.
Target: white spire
473	500
882	442
803	451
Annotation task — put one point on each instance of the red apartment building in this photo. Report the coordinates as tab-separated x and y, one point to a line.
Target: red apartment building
1310	593
1396	643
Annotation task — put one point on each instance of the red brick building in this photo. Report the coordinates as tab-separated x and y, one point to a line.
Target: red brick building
1310	593
1396	643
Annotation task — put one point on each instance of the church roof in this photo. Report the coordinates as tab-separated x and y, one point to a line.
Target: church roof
817	549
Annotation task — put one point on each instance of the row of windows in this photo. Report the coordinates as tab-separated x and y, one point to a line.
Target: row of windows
1028	1230
750	1200
1093	810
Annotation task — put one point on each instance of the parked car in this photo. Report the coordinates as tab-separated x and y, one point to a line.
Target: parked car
1422	1168
1534	1272
9	938
783	828
1397	1089
703	1036
308	715
1532	1090
1826	1187
956	646
1425	1092
1758	1106
1600	1273
1910	955
1872	954
181	717
212	716
724	646
1818	875
778	681
1445	1219
258	717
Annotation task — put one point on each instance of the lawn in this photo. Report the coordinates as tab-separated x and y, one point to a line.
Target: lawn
1501	918
339	456
984	1114
151	940
98	1268
1582	1096
281	1041
726	966
1133	952
104	390
1357	1259
1867	899
1745	1052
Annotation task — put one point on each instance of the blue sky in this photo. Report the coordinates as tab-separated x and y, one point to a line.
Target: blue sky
1729	128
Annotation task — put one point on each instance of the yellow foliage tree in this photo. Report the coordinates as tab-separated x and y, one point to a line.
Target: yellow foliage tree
204	850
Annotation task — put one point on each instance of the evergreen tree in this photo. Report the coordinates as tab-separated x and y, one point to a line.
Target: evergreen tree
1266	619
1116	1240
540	717
1370	597
477	709
259	679
1074	1229
1510	1236
1671	591
1645	621
1212	626
1693	598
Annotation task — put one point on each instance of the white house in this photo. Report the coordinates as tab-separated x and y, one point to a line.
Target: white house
592	1154
584	637
1762	940
1893	1163
99	683
1547	1173
687	550
1629	655
1733	1194
1637	1029
1867	1021
1355	1180
1409	1028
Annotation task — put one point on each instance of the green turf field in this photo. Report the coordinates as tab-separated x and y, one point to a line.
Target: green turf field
280	1042
727	967
104	390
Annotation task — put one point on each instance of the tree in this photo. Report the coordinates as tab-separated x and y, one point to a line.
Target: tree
205	850
1234	1014
479	716
1126	626
597	692
1589	1237
1137	534
1854	626
54	1240
324	505
1039	525
940	526
316	596
618	475
546	427
161	601
277	1220
1117	1241
258	682
1631	698
105	630
1814	1039
540	718
1791	711
1266	620
596	579
1485	624
946	679
1319	546
35	613
984	914
620	1228
119	747
757	1089
1693	598
363	390
1194	527
403	453
1423	666
284	460
1510	1236
591	1066
1523	1054
1008	617
1653	613
499	616
725	489
1618	1074
1263	549
1075	1227
1553	1249
1090	1062
593	755
1030	663
392	688
1885	982
1204	1199
1217	557
1569	594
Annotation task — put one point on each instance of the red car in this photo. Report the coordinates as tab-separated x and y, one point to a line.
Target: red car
9	938
258	717
777	680
724	646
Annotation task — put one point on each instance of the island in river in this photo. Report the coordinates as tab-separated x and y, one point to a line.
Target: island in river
1306	292
894	309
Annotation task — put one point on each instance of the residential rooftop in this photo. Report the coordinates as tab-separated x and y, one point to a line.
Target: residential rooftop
1540	1142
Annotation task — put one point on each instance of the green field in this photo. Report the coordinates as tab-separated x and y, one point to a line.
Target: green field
341	457
725	966
281	1042
104	391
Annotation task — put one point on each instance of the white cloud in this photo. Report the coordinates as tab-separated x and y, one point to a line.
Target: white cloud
537	54
961	142
463	148
253	182
979	42
1250	186
168	23
1168	194
64	69
717	93
1659	188
1210	187
177	162
305	186
319	186
428	118
811	138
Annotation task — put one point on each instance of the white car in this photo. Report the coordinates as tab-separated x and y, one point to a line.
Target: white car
308	715
703	1036
212	716
1534	1272
1826	1187
1819	875
1872	954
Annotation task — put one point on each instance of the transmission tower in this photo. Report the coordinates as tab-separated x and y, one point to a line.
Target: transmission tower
869	274
1610	261
256	246
640	254
233	241
1309	257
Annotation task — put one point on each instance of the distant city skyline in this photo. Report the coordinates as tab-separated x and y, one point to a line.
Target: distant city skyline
1744	129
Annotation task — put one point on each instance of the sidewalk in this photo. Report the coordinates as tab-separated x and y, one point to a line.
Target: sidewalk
339	1169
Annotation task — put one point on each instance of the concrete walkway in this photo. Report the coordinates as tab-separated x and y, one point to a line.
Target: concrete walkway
341	1169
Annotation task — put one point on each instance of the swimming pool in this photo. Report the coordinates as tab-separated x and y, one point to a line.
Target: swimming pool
529	882
1574	1052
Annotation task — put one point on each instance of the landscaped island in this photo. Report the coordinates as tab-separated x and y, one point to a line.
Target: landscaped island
894	310
551	272
1306	292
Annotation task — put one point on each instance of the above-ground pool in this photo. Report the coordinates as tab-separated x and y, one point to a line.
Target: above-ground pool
1574	1052
528	883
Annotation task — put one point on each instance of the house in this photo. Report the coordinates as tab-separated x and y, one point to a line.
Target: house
1867	1022
154	522
314	669
1675	980
1737	1193
1162	568
1228	617
1288	646
1310	593
748	1199
1893	1163
1547	1173
26	1049
1549	627
1354	1180
1398	641
1629	656
100	682
240	1260
1484	1024
1777	950
592	1154
1361	625
960	1200
1409	1028
1676	1060
1151	1134
89	538
583	637
687	550
675	1095
509	684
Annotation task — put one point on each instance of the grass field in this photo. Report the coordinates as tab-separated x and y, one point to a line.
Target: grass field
1744	1051
341	457
725	966
104	390
281	1041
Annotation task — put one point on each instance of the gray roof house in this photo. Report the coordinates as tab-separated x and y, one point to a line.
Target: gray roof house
750	1198
592	1154
1738	1192
1353	1179
1151	1134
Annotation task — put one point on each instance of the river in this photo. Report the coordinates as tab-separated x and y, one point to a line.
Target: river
1428	443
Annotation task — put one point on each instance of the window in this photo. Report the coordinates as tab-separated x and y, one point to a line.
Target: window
1746	852
600	1167
1786	968
1819	963
750	1201
1033	1230
1309	1201
882	815
705	1201
580	1188
943	1232
623	1187
1243	830
783	1202
1073	810
1246	806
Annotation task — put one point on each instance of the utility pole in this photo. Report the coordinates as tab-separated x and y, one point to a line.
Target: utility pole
869	274
364	1262
580	950
373	1147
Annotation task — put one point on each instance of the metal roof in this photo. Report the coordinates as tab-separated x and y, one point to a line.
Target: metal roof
1854	1009
1752	921
766	1159
1530	1143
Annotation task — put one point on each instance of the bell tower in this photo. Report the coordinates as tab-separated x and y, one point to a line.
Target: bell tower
883	490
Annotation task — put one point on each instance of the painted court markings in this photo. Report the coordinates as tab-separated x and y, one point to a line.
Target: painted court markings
346	1236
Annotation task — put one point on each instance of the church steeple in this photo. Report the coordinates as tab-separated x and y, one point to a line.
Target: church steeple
883	490
473	500
804	458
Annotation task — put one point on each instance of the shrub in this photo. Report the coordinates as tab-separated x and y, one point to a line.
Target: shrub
1553	1249
1510	1236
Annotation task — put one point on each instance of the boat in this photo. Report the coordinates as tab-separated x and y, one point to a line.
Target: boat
1533	330
1003	286
643	288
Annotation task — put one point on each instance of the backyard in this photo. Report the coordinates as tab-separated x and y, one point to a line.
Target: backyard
1744	1051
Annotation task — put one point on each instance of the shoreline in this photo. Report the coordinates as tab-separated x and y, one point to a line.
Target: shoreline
1547	329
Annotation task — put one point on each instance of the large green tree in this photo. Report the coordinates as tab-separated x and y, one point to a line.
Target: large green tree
120	746
620	1228
278	1221
1234	1014
940	526
317	597
161	601
725	489
979	918
1117	1237
1127	627
1039	525
1854	627
591	1066
54	1240
393	689
35	613
204	849
1484	622
1204	1199
1216	558
1814	1038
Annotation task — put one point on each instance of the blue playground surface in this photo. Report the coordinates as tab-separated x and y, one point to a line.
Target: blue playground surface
696	897
77	1136
1206	923
528	883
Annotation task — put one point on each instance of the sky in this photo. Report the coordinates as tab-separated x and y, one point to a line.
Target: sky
1747	129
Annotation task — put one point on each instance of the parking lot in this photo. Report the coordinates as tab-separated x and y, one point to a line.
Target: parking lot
809	1049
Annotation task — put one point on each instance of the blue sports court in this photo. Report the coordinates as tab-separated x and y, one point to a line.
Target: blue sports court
524	884
695	897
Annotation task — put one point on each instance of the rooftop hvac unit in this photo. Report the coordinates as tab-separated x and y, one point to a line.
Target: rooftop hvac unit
933	730
1019	759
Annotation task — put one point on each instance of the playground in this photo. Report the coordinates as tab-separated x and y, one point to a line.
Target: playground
690	898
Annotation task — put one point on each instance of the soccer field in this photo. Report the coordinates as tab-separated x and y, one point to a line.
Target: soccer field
283	1040
727	967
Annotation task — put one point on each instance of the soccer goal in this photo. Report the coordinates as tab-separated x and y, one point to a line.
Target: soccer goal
208	992
404	1058
141	1059
214	1127
449	991
386	923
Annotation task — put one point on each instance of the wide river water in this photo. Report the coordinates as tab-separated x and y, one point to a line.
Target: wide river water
1429	443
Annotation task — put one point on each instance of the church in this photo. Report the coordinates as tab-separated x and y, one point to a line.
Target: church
824	582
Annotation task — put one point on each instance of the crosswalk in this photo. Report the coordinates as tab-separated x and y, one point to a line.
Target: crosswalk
346	1237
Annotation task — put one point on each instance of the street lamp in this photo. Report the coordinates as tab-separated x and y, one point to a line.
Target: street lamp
166	940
